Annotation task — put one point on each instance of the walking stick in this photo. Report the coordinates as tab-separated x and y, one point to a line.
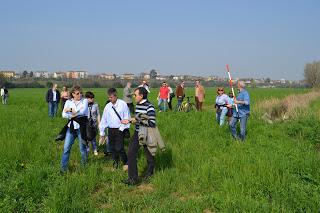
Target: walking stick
231	87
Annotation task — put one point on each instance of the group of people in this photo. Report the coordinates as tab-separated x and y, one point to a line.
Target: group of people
113	126
235	108
4	95
82	112
53	98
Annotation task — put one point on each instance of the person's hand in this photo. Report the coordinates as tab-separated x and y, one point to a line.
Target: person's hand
102	140
67	110
168	100
125	121
229	105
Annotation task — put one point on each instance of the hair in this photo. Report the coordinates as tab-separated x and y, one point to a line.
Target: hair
89	94
220	88
142	91
112	91
75	88
241	84
230	93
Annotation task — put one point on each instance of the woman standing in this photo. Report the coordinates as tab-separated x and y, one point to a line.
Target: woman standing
64	96
76	111
222	101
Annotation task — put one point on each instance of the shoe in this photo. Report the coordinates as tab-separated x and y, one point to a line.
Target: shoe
60	137
131	182
95	152
147	178
125	168
115	165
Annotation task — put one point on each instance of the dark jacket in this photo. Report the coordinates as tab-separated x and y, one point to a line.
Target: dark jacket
82	121
49	96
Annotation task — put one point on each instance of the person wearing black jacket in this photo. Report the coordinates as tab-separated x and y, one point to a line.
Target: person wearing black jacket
53	99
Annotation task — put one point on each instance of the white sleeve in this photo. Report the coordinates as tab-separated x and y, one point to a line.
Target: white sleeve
103	122
66	114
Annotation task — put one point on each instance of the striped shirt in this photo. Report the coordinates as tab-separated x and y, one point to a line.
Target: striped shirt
145	107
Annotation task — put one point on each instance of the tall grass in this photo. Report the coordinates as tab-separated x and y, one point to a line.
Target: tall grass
203	169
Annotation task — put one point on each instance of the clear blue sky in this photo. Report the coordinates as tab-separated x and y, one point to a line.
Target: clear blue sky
257	38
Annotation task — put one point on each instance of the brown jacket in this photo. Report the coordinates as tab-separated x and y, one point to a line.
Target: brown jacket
200	93
179	91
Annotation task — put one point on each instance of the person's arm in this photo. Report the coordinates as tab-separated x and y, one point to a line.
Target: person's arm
152	116
98	115
126	117
66	112
47	96
103	123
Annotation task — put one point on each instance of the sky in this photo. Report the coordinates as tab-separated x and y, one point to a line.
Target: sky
257	38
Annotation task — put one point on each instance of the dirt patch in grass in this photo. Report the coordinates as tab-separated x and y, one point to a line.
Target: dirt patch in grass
146	188
184	198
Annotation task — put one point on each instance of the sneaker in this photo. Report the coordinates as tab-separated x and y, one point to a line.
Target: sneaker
125	168
130	182
95	152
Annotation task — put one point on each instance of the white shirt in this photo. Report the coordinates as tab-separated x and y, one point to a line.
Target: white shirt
111	120
80	107
145	86
2	92
54	96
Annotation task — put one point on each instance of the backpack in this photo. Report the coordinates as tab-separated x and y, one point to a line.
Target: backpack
91	129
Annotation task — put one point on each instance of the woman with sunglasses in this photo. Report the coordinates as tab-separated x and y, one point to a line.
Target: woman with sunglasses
76	111
222	101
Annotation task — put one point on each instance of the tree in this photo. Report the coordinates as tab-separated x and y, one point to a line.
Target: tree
153	74
24	74
31	74
312	73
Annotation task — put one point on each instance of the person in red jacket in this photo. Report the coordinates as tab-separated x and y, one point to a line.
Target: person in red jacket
163	97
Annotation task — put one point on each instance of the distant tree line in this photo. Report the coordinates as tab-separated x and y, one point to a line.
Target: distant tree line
312	74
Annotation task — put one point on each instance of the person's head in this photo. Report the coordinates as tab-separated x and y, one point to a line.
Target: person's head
90	96
75	93
54	86
129	84
112	95
230	94
144	82
64	88
164	84
220	90
140	94
197	82
241	85
182	83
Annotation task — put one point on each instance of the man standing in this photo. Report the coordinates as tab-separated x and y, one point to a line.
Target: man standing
143	107
163	97
127	97
4	95
115	117
243	103
199	95
180	94
145	85
53	99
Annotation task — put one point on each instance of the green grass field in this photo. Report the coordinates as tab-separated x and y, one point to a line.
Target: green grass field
202	170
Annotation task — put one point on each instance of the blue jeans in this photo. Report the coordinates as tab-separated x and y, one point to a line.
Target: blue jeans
4	99
94	145
67	148
220	116
180	100
162	104
243	126
107	147
53	108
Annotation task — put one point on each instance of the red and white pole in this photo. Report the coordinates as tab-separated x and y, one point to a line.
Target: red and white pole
231	86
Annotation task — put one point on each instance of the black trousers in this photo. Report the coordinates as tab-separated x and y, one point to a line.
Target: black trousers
116	140
132	158
131	107
170	103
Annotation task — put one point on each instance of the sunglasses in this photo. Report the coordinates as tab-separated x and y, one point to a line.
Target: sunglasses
77	93
220	90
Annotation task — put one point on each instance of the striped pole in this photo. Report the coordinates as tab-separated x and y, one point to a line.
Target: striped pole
231	87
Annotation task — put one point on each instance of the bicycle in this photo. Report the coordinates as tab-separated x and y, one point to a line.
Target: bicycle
186	106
